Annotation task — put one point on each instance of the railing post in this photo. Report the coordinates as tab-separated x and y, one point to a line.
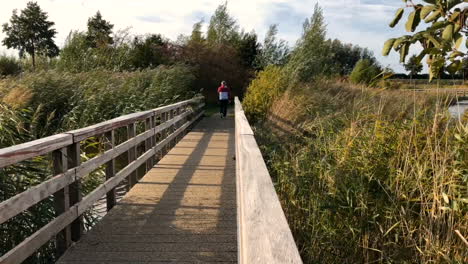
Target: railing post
74	160
148	127
153	140
132	178
61	200
110	170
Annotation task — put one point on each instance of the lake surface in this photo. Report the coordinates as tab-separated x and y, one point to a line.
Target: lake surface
459	109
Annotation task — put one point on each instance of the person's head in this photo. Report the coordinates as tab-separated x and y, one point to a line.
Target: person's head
223	83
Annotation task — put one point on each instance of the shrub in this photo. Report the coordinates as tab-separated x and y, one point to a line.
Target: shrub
9	66
365	72
263	90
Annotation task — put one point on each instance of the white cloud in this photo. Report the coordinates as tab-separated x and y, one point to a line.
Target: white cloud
362	22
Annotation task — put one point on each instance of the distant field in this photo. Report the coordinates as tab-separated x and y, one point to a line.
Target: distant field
425	84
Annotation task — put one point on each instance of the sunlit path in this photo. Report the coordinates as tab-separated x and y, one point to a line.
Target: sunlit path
183	210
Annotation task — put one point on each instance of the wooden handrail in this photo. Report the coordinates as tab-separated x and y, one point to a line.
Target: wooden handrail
173	120
263	232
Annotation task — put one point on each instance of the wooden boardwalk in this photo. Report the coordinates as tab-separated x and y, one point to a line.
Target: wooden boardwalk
182	211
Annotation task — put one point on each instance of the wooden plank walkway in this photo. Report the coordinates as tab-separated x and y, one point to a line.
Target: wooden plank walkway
182	211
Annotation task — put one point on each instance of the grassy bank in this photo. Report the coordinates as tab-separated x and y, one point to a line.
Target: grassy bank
366	176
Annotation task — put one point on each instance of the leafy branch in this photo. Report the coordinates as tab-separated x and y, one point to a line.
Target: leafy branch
441	40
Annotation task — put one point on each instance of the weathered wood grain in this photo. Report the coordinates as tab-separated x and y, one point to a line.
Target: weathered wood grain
74	160
264	234
17	153
110	171
32	196
94	163
61	200
97	129
242	125
101	128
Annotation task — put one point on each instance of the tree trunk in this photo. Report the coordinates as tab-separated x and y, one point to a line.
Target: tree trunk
33	56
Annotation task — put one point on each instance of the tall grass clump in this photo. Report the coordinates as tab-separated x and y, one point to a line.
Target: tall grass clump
369	176
9	66
72	100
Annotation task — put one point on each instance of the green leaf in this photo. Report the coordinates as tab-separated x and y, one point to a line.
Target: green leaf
426	10
388	46
433	17
456	54
454	68
397	18
413	20
433	40
404	52
399	41
448	33
458	40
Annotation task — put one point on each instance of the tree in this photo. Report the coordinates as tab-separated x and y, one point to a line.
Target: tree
311	55
197	34
149	51
414	66
99	31
223	29
273	51
441	40
248	49
31	33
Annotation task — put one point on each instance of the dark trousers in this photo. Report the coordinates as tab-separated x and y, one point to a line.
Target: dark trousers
223	107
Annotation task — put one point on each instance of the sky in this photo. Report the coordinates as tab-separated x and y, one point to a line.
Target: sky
361	22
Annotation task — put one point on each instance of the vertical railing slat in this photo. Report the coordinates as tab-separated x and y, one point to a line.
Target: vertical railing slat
61	199
110	170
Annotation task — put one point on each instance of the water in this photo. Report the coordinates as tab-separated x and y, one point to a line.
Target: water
459	109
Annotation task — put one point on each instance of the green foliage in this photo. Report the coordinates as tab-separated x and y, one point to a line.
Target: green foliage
99	31
9	66
68	101
263	90
309	58
76	56
149	52
343	57
273	51
365	72
197	34
248	49
414	66
223	29
31	32
441	40
367	176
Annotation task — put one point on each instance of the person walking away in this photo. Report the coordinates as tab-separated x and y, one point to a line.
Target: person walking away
224	95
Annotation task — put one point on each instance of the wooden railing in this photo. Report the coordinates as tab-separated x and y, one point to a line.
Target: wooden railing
162	127
263	232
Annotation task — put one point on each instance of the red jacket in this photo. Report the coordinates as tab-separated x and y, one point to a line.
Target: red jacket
224	92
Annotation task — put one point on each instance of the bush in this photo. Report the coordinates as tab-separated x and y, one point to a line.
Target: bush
9	66
365	72
262	91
